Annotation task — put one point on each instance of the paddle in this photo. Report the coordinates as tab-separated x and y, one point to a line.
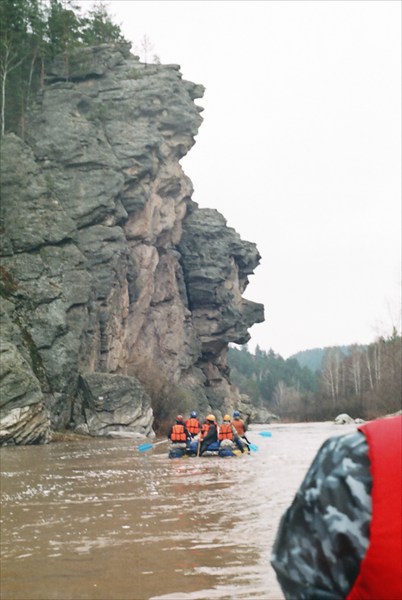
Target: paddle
253	447
265	433
149	446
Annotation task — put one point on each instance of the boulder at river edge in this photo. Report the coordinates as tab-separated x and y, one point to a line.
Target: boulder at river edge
112	279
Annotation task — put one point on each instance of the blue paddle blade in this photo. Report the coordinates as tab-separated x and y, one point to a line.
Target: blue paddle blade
145	447
253	447
265	433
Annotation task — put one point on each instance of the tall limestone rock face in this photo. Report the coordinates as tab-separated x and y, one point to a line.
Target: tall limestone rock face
115	286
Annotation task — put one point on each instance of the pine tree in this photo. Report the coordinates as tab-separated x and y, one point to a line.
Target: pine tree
98	27
32	34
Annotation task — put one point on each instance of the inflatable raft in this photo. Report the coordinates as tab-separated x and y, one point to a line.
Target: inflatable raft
214	449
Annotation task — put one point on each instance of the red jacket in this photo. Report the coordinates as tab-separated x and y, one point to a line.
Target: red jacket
380	573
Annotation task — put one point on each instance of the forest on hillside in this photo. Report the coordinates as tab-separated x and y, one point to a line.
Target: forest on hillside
363	381
32	34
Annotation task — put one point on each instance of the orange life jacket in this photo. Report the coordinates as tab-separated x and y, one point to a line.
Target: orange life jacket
204	429
380	574
193	426
239	426
226	432
178	434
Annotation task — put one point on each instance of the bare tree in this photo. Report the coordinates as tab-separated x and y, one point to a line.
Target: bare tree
331	373
377	360
146	47
9	60
356	370
369	370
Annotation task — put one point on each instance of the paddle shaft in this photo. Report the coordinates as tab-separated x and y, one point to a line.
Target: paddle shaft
149	446
161	442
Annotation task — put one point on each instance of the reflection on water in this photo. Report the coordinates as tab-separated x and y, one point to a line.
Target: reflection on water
96	519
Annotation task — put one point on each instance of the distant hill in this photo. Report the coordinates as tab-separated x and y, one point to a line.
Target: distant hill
312	359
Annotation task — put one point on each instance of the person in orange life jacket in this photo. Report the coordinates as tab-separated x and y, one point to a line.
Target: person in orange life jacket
341	536
178	433
240	427
211	435
228	432
204	428
193	425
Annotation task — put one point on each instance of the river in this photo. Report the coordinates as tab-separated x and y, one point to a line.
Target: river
96	519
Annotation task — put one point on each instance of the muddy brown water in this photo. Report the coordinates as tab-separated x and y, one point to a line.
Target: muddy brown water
96	519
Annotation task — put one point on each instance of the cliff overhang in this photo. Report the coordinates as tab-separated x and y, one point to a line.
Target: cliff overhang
114	283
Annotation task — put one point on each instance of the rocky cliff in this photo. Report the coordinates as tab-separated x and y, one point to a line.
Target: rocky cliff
117	292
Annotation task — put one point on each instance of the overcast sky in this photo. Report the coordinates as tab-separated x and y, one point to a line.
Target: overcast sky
300	150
